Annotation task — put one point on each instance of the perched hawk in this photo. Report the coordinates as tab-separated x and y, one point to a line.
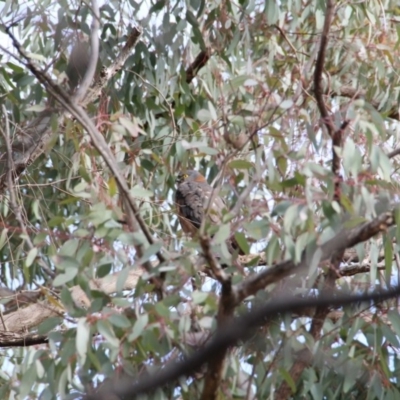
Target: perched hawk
192	197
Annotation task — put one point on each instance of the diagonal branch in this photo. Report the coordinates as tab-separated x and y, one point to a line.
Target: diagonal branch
39	131
239	329
98	141
340	242
199	62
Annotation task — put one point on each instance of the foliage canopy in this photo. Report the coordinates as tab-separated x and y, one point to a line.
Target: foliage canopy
290	109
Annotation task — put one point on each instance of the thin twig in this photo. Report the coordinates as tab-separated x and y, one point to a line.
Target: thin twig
2	320
13	197
356	93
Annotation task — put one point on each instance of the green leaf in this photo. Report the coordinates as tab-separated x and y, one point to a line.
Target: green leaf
112	186
208	150
132	128
291	218
258	229
286	104
238	82
64	262
240	164
82	339
242	242
204	115
138	191
107	332
351	158
388	257
69	248
281	208
150	251
48	325
288	378
222	234
119	320
30	258
3	237
27	380
272	12
139	326
199	297
394	318
67	276
36	108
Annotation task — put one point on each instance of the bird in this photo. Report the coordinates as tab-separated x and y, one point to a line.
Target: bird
191	198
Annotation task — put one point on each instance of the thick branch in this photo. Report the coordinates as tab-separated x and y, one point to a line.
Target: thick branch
29	317
10	339
318	319
353	93
319	67
199	62
215	365
239	329
340	242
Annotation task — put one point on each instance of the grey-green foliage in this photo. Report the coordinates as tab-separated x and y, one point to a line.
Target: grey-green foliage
258	82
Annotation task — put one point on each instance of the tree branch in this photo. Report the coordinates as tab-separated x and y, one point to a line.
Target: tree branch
39	131
13	197
212	262
239	329
31	316
319	67
216	363
11	339
94	54
343	240
100	144
353	93
199	62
